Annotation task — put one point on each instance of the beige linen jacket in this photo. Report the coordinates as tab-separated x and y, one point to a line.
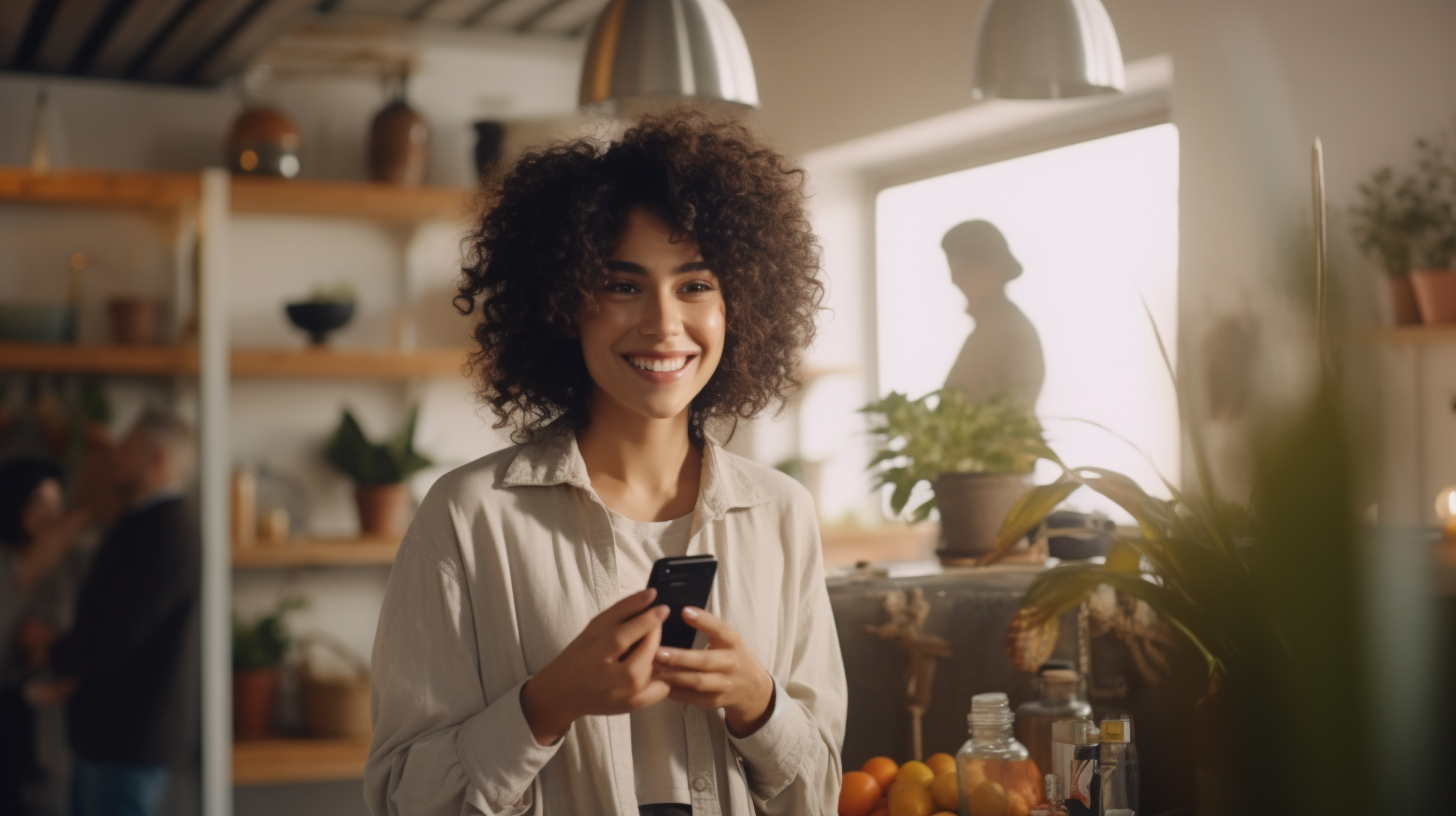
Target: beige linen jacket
506	561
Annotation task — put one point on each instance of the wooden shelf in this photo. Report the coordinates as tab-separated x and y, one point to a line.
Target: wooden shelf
1410	335
285	761
181	361
348	199
100	188
257	195
334	363
847	546
68	358
317	552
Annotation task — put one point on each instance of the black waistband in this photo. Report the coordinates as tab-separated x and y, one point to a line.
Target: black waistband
665	810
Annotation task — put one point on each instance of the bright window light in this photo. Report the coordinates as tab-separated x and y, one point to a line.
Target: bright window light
1095	227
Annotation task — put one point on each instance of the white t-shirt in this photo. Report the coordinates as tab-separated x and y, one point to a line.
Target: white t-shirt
659	732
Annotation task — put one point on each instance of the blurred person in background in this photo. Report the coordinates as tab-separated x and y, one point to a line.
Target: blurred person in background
1003	353
127	671
39	572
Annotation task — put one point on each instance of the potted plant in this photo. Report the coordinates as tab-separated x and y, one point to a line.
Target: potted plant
378	470
1433	279
977	458
1385	222
1271	600
258	651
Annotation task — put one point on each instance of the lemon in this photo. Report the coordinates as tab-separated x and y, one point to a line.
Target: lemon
915	773
910	800
941	763
945	791
988	799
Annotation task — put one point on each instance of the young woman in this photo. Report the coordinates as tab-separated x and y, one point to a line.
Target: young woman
635	298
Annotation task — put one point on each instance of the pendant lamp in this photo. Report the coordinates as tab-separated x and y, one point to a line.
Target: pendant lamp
666	50
1046	49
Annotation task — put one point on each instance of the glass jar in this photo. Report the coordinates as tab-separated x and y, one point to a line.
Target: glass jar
994	769
1061	699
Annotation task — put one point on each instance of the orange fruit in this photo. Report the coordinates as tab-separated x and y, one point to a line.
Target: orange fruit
945	791
940	763
910	799
988	799
883	769
1015	805
858	794
917	773
944	813
883	810
975	773
1025	778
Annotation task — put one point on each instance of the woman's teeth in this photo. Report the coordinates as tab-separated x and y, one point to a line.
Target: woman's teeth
658	363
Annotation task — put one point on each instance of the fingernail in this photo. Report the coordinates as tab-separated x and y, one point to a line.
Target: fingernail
689	613
664	656
661	612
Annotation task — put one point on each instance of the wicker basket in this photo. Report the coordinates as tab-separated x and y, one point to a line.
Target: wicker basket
334	706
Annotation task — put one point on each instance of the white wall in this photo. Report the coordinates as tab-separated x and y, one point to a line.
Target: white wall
1254	83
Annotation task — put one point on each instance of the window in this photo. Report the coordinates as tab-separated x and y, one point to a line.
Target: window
1095	227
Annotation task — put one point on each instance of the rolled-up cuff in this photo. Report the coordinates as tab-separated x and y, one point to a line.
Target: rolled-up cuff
500	755
773	751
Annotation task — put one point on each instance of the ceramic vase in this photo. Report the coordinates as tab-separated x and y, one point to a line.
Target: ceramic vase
972	507
1403	306
399	150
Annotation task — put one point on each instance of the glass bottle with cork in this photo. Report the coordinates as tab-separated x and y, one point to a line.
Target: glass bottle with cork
1061	698
995	772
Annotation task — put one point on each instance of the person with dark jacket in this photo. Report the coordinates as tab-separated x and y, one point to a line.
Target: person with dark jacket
128	669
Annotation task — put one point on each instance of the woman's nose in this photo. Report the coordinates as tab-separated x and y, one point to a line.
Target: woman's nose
663	317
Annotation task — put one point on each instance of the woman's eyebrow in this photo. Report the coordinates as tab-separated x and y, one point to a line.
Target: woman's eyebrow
637	269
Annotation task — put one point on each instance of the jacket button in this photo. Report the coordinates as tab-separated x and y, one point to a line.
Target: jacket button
700	784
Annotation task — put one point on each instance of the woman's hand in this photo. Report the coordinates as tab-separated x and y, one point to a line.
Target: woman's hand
725	675
594	674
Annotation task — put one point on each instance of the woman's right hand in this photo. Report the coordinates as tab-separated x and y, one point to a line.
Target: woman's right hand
591	676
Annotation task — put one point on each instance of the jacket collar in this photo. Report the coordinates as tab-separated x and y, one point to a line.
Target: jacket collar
553	458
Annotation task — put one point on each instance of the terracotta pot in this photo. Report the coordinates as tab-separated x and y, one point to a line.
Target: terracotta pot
1403	305
134	321
254	693
380	507
399	150
1436	294
972	507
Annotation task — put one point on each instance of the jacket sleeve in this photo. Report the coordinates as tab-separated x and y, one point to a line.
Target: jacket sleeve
136	584
793	759
440	747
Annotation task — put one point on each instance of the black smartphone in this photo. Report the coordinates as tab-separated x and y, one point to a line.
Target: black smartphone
682	582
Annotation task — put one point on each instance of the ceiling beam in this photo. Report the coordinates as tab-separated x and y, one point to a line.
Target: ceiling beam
14	14
201	26
70	27
142	23
257	33
535	17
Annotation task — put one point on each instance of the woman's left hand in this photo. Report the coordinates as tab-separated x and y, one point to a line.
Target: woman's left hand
725	675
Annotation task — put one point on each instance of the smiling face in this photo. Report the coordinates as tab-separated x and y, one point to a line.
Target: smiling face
656	334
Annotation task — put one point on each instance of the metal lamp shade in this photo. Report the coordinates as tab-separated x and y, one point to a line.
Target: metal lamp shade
1046	49
666	49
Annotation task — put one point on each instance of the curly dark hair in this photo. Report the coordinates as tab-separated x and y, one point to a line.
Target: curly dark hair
537	258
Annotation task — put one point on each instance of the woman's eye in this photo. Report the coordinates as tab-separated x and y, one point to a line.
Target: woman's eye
697	288
621	287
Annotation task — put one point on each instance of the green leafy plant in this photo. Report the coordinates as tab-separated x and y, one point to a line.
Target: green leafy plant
1409	220
939	433
369	463
341	292
264	642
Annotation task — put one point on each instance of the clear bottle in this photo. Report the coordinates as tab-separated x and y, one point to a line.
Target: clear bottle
1061	699
1118	766
1075	754
1053	805
993	767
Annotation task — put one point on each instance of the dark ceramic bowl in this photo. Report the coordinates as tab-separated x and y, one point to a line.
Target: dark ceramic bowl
37	323
318	318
